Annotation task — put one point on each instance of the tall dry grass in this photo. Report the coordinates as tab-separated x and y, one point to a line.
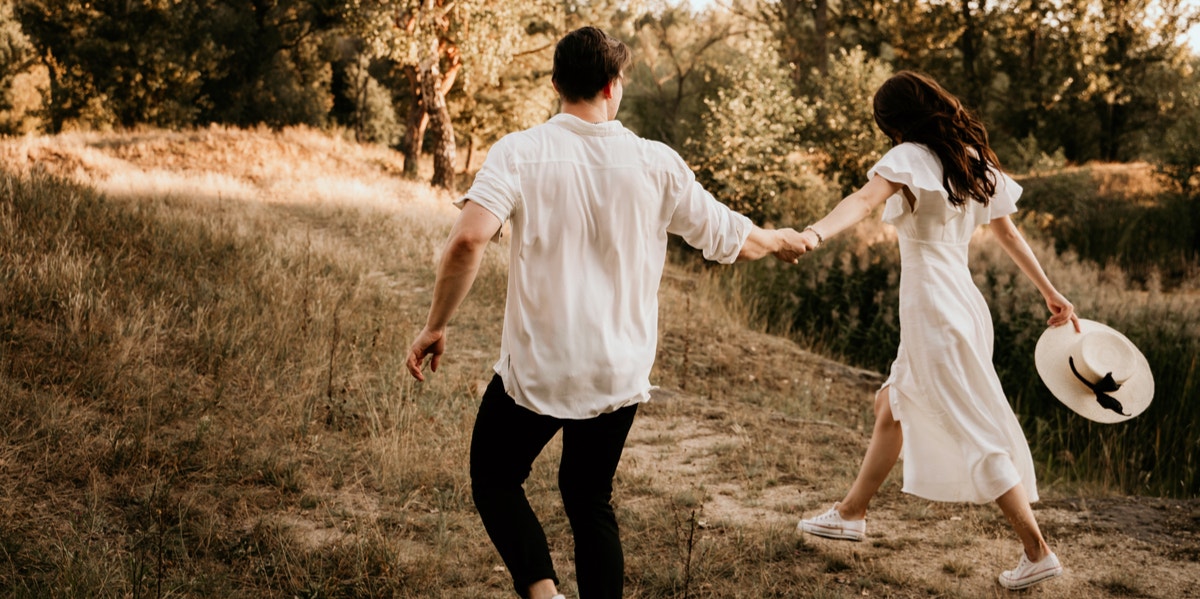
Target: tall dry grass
202	395
202	378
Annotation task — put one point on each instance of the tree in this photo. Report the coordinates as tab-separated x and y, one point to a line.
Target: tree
676	58
1140	54
1179	151
746	152
275	60
802	28
433	41
169	64
16	56
843	126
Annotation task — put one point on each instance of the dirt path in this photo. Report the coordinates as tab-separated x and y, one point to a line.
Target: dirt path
1111	547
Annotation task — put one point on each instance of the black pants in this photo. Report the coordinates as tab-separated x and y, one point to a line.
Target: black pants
505	442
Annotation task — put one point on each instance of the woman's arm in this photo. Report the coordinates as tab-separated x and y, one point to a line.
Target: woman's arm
852	209
1010	238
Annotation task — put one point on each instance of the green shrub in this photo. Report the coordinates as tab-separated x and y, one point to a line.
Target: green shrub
1154	238
1179	152
746	153
842	124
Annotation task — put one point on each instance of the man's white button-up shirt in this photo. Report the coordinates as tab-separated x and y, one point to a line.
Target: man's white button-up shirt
591	206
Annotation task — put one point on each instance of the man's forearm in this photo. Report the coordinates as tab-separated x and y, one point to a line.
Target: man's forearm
785	244
456	274
760	243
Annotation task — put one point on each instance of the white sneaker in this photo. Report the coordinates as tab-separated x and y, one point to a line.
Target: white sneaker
831	525
1030	573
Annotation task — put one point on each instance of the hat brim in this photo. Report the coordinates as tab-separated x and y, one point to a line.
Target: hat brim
1050	357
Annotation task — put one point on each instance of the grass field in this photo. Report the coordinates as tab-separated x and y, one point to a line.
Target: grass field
202	395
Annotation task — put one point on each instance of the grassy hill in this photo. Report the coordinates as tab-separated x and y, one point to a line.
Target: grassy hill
202	394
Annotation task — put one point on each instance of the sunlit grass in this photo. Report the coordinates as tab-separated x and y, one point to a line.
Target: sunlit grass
203	395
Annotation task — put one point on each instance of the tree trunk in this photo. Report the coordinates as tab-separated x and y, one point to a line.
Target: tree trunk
414	126
821	43
444	150
55	109
1032	79
970	52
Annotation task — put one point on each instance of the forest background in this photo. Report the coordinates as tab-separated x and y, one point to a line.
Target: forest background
1093	105
220	219
768	100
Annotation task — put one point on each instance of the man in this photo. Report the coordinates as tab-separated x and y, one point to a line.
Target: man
591	205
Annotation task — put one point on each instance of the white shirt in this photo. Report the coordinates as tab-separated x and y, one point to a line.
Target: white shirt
591	205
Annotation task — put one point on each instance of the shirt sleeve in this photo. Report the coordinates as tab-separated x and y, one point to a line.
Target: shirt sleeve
703	222
496	187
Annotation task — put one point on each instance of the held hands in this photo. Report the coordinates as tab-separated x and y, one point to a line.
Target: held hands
794	244
427	343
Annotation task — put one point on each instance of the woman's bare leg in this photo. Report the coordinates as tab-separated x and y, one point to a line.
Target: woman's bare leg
1015	505
542	589
882	453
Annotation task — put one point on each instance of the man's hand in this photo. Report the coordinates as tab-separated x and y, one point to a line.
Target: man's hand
793	245
427	343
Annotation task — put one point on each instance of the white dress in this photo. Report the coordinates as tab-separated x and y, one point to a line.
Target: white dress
962	441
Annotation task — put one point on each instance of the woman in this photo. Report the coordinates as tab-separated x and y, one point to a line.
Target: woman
940	181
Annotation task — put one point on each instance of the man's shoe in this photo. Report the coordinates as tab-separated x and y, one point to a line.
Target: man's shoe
831	525
1030	573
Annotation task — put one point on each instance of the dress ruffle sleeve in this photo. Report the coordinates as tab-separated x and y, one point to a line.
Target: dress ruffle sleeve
1004	202
917	168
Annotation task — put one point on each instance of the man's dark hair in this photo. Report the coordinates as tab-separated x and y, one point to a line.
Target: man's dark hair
586	60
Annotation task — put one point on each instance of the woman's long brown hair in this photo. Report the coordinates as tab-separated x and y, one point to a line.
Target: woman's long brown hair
911	107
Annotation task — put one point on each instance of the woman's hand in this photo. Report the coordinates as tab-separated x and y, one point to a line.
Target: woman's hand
1061	311
792	245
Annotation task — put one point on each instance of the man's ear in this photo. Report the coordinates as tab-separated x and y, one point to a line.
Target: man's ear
608	89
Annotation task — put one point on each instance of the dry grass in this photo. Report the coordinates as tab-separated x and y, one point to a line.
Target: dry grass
201	380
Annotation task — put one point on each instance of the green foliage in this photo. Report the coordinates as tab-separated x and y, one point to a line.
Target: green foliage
1026	156
371	114
175	64
484	34
745	152
120	64
680	61
521	96
274	61
840	300
1153	238
843	125
1179	152
15	52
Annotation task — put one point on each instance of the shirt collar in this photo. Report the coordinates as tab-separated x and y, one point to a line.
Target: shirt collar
583	127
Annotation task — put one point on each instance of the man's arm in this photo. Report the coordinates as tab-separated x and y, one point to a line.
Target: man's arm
456	273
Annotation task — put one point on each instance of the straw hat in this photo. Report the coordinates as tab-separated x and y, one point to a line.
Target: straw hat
1097	372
